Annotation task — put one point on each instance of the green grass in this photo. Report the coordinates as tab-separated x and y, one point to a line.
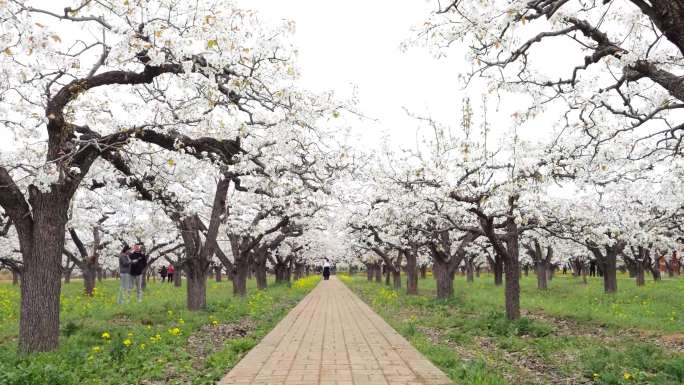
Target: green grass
657	306
102	342
571	333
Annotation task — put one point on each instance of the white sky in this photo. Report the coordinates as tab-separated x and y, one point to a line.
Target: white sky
356	43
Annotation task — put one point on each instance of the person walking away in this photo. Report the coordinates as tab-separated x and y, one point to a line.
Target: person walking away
326	270
124	275
169	273
163	272
138	264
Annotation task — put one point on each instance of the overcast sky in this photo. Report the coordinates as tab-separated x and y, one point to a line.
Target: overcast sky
356	43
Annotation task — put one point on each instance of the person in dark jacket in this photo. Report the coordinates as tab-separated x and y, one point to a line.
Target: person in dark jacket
163	272
125	275
326	269
138	264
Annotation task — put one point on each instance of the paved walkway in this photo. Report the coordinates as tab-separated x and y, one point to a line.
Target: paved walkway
332	337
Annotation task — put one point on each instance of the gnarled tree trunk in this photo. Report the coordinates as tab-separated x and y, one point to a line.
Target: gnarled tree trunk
261	273
241	270
89	277
396	279
470	270
610	273
282	272
411	273
444	279
177	276
196	275
299	271
497	269
512	271
541	269
42	271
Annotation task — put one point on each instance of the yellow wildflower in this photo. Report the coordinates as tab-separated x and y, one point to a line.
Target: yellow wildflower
127	342
106	336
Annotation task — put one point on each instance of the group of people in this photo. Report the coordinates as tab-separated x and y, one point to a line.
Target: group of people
132	263
166	273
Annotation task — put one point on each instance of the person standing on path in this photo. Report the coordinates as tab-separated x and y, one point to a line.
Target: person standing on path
125	275
326	270
169	273
138	264
163	272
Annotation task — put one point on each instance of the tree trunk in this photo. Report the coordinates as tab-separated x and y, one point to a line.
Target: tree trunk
470	271
41	279
177	276
423	271
89	276
99	274
632	268
542	273
411	274
217	273
67	275
610	272
369	272
396	279
378	273
498	271
444	279
512	289
299	271
15	277
261	275
143	278
241	268
512	271
282	273
639	274
196	270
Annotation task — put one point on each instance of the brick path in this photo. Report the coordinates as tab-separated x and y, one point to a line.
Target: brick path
332	337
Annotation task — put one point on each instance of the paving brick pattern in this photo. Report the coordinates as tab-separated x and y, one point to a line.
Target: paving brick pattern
332	337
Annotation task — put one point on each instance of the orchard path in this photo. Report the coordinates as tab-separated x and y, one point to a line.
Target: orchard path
332	337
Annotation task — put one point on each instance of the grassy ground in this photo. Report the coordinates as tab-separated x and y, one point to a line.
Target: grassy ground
570	334
153	342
